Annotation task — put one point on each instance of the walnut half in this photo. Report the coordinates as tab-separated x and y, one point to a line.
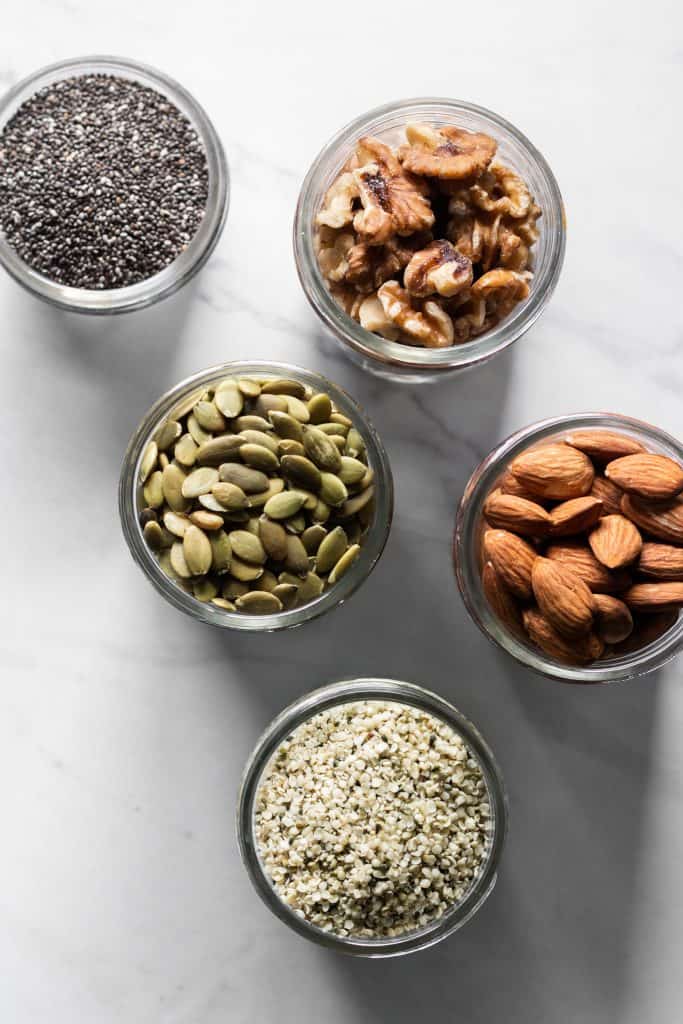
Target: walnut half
447	152
439	268
427	325
392	203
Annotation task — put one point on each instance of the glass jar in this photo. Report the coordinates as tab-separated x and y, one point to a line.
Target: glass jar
466	550
407	362
130	501
186	265
344	693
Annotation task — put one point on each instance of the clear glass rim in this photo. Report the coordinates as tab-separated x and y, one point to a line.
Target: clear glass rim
371	549
186	265
344	692
627	666
390	353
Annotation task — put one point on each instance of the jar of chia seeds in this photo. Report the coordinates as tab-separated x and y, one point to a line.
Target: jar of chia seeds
114	186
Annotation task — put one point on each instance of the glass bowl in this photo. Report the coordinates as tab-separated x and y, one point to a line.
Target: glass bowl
130	501
408	362
186	265
466	547
343	693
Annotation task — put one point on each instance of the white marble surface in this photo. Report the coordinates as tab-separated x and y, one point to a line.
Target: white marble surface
124	726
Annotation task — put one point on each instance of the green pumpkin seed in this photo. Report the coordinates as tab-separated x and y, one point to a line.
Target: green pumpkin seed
178	563
275	486
313	537
252	423
368	479
289	447
339	417
175	523
154	536
153	491
301	472
232	589
332	490
186	405
269	403
285	426
244	572
164	460
259	437
148	515
267	582
355	504
352	471
259	457
287	594
197	551
221	552
251	526
172	479
330	551
220	449
287	579
229	399
148	460
344	564
284	387
296	524
339	442
207	520
185	451
199	435
208	417
296	559
205	590
311	587
321	450
284	505
211	504
320	408
355	445
333	429
249	388
167	434
259	602
298	409
199	481
321	513
247	547
251	481
229	496
274	539
222	602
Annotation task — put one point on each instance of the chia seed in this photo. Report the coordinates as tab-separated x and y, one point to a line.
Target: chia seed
103	182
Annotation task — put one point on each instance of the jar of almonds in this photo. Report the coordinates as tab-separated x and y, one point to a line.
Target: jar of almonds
256	496
569	547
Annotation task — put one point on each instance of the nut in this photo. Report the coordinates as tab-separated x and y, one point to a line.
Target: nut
654	597
429	325
647	475
337	210
512	197
447	152
575	651
661	561
513	559
664	521
392	203
613	620
563	597
509	512
439	268
575	516
554	471
615	541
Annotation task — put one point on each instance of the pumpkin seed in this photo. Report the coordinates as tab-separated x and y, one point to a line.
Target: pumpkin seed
296	524
185	451
274	487
286	426
199	481
178	563
321	450
267	582
153	535
320	408
284	387
232	589
148	460
208	417
298	409
339	417
186	405
289	447
313	537
267	403
286	578
252	423
251	481
274	539
352	471
251	526
222	602
330	551
148	515
259	602
301	472
296	559
247	547
229	399
284	505
355	446
167	434
321	513
211	504
205	590
259	437
153	491
207	520
199	435
197	551
221	552
244	572
353	506
220	449
333	429
249	388
311	587
287	594
229	496
172	479
344	564
175	523
259	457
332	490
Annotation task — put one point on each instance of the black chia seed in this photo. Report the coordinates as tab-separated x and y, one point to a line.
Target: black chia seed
103	182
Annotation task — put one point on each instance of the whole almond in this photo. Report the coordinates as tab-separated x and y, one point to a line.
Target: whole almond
555	471
575	554
654	597
613	620
576	651
501	601
509	512
615	541
574	516
512	558
647	629
609	494
604	445
664	521
562	596
661	561
510	485
648	475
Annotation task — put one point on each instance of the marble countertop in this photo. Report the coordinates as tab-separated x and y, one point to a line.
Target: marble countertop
124	726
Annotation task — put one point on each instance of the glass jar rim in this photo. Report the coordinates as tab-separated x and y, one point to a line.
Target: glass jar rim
351	691
409	357
619	669
184	266
371	549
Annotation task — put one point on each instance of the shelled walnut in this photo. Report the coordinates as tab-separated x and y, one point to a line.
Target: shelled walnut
428	244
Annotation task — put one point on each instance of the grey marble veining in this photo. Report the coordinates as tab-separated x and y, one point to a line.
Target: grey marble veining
124	726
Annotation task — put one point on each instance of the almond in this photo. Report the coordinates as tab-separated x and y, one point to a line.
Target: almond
575	515
501	601
615	541
608	493
555	471
562	596
578	557
604	445
512	558
661	561
646	630
648	475
509	512
664	521
654	597
510	485
613	620
577	651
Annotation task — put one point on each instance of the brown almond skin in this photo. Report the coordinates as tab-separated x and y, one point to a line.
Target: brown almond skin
576	555
646	629
651	476
555	472
654	597
609	494
661	561
613	620
512	558
501	601
510	485
604	445
563	597
575	651
510	512
663	520
615	541
574	516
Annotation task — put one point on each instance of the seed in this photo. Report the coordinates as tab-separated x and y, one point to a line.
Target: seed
259	602
211	504
267	403
221	551
352	471
233	589
220	449
200	481
178	563
354	505
148	515
287	594
205	590
274	487
199	435
344	564
251	481
167	434
333	430
197	551
172	480
259	437
339	442
148	461
153	535
244	572
284	387
274	539
208	417
252	423
298	409
259	457
313	537
320	408
321	450
321	513
332	490
296	559
153	491
222	602
207	520
301	472
175	523
229	496
289	447
267	582
296	524
311	587
344	421
284	505
249	388
355	446
286	426
229	399
185	451
247	547
331	550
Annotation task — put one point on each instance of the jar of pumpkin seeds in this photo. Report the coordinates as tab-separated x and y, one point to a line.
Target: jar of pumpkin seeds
256	496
